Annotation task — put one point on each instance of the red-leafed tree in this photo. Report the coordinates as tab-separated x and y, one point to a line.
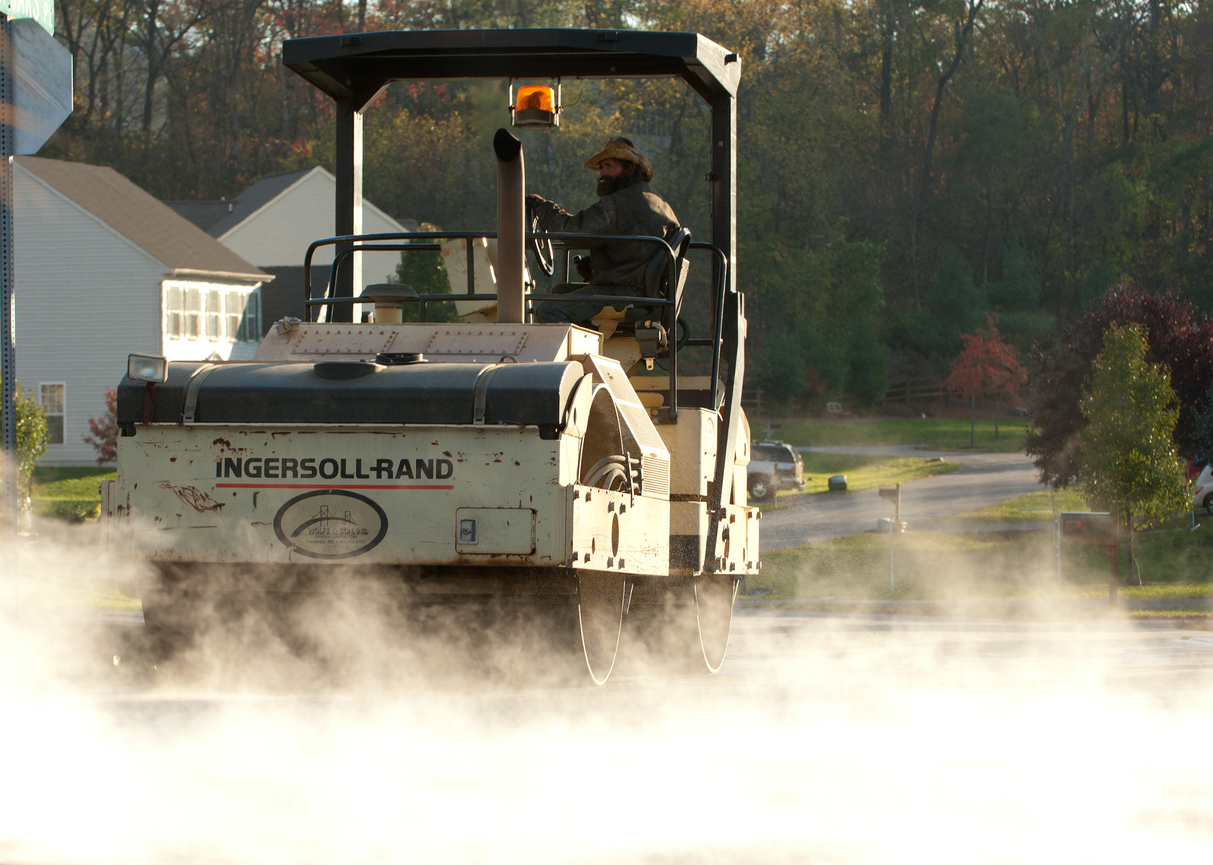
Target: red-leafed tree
986	366
103	431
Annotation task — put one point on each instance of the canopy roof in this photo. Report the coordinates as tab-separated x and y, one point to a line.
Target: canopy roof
353	68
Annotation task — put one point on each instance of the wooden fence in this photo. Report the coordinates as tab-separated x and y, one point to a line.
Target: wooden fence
758	404
915	390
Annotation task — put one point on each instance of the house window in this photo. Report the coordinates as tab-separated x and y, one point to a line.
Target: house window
250	325
235	314
174	307
52	407
214	314
193	313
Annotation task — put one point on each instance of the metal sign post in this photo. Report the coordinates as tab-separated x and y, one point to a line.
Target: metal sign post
893	494
1056	533
35	98
8	378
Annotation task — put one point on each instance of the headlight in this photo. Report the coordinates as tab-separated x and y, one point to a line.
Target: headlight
147	367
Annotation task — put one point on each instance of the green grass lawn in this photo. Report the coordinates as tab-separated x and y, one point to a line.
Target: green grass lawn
862	472
69	493
937	566
868	473
934	433
1029	508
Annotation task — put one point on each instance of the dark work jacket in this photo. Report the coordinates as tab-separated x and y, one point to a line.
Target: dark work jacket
636	209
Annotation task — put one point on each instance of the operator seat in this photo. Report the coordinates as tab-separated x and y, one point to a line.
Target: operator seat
656	284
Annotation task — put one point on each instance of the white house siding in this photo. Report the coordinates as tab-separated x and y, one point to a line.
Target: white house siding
278	235
67	335
222	343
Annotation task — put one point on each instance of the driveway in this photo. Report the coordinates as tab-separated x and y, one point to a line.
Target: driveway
983	479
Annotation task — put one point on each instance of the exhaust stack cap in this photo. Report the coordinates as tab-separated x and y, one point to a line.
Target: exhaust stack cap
389	299
507	146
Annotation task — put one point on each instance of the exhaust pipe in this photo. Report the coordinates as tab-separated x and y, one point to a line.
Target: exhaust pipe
511	217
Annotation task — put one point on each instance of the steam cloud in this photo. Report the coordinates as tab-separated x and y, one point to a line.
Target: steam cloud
825	740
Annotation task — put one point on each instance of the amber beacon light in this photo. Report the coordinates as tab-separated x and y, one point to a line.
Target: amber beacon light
537	107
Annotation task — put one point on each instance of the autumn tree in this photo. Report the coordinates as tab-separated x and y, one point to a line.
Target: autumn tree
986	366
1020	158
1127	454
103	431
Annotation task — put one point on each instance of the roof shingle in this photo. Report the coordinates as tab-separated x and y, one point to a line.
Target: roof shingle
255	197
140	218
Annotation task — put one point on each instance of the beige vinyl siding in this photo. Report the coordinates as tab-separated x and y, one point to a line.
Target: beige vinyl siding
279	233
85	297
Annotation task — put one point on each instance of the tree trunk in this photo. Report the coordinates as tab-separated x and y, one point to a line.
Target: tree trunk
886	80
997	399
1129	526
960	35
973	421
153	68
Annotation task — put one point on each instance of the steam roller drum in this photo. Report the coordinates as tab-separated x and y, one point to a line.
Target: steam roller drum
600	615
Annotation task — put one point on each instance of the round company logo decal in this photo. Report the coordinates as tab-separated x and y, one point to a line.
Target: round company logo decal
330	524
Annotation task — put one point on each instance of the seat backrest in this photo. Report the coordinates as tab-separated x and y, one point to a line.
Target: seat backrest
657	273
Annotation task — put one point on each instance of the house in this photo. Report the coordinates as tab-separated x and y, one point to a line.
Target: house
103	269
272	223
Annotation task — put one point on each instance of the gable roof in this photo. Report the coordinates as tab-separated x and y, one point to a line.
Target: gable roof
256	197
218	218
140	218
203	214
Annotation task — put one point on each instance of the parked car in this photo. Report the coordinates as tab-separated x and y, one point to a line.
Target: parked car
774	466
1202	495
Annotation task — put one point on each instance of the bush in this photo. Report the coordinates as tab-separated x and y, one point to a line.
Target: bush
31	436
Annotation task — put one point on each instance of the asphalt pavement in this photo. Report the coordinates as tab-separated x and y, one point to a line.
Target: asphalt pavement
983	479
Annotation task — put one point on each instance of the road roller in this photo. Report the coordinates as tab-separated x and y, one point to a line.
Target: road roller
491	460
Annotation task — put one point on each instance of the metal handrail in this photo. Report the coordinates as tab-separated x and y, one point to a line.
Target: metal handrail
717	312
467	236
381	243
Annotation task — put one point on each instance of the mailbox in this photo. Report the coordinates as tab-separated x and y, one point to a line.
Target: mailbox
1099	530
893	494
1088	528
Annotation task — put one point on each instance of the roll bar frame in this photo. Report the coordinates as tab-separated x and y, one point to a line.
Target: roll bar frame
353	244
354	68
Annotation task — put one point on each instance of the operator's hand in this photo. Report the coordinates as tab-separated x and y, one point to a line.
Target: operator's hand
534	200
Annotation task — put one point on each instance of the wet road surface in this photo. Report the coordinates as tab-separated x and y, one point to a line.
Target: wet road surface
981	480
856	739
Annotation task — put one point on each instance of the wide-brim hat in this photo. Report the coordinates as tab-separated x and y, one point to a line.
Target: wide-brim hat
622	149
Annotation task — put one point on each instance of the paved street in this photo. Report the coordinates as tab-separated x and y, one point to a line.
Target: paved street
983	479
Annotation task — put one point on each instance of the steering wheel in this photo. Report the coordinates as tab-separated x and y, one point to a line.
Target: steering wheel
541	248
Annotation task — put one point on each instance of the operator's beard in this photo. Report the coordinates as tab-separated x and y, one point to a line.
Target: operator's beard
610	185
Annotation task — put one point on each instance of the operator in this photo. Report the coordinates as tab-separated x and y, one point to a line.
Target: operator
626	205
